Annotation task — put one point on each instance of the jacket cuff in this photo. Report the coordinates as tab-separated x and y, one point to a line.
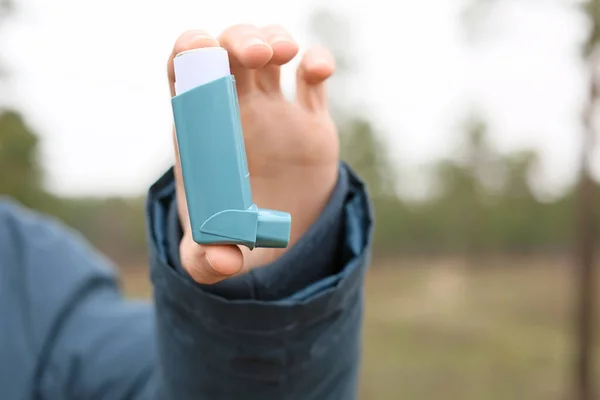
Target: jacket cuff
314	257
318	275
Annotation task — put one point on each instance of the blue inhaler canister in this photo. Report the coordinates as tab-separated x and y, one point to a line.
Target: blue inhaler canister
213	157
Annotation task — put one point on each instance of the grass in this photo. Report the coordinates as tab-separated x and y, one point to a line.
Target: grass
440	332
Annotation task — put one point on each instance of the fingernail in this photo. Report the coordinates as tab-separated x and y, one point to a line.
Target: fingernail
319	62
254	42
280	39
198	38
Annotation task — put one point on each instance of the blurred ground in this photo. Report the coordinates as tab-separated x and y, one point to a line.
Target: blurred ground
433	331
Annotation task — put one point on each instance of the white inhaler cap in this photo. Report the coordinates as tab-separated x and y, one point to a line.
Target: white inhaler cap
197	67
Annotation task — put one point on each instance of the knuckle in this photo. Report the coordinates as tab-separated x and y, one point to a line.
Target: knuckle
275	29
190	259
194	268
236	31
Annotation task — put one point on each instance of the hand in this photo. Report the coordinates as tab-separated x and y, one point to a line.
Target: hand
292	147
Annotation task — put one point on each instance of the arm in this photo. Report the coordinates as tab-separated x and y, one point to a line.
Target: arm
282	331
289	329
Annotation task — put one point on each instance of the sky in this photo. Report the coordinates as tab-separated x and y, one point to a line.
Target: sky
89	76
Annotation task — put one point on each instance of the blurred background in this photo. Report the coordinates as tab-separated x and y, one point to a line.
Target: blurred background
471	121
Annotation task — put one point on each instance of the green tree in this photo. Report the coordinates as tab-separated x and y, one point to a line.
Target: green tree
115	225
586	212
519	215
362	146
464	192
367	154
21	176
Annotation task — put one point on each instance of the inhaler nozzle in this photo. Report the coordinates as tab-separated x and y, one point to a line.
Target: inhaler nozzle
273	228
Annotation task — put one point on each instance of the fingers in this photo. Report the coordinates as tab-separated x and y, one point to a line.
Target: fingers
316	66
210	264
193	39
248	50
284	50
255	55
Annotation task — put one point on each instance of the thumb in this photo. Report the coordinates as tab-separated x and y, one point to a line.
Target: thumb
205	264
210	264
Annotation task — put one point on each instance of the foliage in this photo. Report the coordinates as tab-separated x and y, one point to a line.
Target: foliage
21	175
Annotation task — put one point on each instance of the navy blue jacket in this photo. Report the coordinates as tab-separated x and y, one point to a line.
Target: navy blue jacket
289	330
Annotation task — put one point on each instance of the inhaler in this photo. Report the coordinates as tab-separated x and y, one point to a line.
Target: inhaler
213	156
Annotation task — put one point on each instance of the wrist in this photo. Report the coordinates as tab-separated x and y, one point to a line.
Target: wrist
304	193
310	201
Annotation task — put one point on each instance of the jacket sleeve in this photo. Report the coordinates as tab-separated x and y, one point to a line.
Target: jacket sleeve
289	330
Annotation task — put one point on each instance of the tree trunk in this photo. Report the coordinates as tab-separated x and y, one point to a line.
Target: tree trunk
585	257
